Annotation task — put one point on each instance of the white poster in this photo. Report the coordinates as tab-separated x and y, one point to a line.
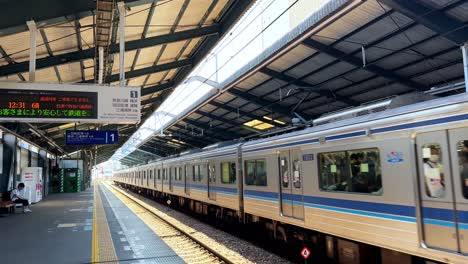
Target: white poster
62	103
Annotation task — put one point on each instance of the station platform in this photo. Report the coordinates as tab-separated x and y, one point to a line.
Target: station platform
94	226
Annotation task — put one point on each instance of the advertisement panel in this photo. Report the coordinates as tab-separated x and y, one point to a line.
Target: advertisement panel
62	103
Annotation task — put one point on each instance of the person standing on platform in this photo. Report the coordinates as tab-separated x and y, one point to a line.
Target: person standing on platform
17	198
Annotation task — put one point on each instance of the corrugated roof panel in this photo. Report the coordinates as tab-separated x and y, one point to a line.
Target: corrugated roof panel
434	46
138	81
345	46
237	102
351	21
14	78
171	51
171	74
225	97
215	14
86	32
425	65
134	22
372	84
190	48
89	69
291	58
247	107
310	65
147	57
269	86
156	77
164	17
441	75
437	4
329	72
62	39
460	12
46	75
397	60
129	56
358	75
252	81
70	72
381	28
194	12
381	92
17	46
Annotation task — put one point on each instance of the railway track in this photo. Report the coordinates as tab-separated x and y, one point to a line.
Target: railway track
190	248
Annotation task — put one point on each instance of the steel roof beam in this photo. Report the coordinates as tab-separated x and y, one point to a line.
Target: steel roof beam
47	12
206	129
235	110
151	101
157	88
302	84
436	20
358	63
262	102
129	46
188	137
148	70
232	122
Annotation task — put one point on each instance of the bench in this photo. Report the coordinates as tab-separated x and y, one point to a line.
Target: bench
5	202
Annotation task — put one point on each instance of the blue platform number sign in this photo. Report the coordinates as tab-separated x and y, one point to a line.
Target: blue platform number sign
133	94
395	157
91	137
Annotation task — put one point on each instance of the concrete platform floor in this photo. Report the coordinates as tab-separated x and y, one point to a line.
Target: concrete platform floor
59	230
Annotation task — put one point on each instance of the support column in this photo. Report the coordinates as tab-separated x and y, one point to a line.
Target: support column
32	49
121	7
465	64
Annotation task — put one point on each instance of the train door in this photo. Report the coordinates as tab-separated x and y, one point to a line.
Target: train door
291	193
211	181
458	139
436	183
187	180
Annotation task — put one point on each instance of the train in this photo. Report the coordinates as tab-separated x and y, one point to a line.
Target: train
392	175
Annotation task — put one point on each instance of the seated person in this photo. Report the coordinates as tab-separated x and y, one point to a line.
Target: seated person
18	199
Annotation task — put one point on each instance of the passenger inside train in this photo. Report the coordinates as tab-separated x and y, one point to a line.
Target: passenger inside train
433	171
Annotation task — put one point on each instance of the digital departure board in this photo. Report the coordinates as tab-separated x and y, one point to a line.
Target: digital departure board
61	103
48	104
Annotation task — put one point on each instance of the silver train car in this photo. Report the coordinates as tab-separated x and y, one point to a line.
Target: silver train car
396	179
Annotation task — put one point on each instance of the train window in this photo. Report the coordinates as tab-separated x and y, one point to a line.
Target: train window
256	172
202	172
297	181
433	173
196	172
350	171
159	174
462	150
228	172
180	173
211	173
151	174
144	175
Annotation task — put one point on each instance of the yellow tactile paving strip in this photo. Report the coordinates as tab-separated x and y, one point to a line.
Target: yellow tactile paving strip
185	248
103	248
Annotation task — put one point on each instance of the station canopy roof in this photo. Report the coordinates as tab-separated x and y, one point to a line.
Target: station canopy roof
316	68
165	40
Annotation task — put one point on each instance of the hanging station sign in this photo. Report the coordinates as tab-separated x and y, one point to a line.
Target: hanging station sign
61	103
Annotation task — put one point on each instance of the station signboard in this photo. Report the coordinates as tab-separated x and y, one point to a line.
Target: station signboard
62	103
91	137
